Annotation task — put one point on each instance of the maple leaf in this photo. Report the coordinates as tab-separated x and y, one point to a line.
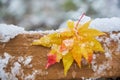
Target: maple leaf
56	50
67	62
66	45
52	59
84	30
70	24
54	56
48	40
76	53
77	41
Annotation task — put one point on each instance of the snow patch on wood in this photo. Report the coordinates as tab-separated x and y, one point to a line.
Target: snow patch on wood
16	68
113	40
3	63
8	32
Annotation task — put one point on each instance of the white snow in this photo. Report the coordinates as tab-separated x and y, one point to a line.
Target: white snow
20	59
93	63
31	76
27	60
94	67
106	24
100	69
108	55
3	63
42	32
102	24
107	41
8	32
16	68
103	67
83	20
115	37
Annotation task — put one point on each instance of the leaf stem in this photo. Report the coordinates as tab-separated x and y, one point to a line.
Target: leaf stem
79	20
76	27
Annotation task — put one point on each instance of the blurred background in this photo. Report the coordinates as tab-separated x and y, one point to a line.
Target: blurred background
50	14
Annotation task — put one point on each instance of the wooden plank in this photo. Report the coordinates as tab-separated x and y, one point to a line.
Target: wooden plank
104	66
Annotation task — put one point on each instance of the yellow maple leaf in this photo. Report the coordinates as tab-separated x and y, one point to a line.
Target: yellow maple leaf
76	53
74	43
70	24
48	40
67	62
84	26
97	46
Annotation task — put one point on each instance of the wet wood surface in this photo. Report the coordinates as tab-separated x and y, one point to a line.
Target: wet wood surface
21	46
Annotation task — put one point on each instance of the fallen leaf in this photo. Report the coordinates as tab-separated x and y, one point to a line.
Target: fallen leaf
67	62
74	43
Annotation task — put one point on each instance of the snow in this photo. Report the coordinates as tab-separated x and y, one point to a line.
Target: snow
102	24
8	32
83	20
106	24
16	68
41	32
31	76
91	78
100	69
115	37
93	63
107	41
108	55
20	59
27	60
103	67
3	63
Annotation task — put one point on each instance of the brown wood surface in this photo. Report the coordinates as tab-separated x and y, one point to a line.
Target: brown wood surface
21	46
